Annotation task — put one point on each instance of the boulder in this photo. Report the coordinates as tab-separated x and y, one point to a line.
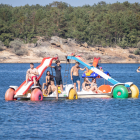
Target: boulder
31	45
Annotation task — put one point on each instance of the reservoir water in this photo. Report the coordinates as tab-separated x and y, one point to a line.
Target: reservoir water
100	119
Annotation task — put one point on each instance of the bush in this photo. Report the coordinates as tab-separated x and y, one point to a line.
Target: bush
41	54
21	52
16	42
16	46
138	45
1	46
137	52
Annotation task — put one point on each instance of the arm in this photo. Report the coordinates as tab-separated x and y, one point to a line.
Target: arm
71	73
82	68
46	79
28	72
89	82
52	66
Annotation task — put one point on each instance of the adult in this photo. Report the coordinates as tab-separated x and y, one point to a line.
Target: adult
32	74
75	75
86	84
58	77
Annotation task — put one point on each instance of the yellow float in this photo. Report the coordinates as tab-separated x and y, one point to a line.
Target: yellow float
134	91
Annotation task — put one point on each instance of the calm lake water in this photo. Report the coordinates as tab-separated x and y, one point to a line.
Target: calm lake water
100	119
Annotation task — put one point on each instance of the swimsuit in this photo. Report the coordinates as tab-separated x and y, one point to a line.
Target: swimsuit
76	78
87	84
33	77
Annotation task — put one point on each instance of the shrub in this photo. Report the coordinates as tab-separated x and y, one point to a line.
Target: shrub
16	42
21	52
41	54
16	46
1	46
137	52
138	45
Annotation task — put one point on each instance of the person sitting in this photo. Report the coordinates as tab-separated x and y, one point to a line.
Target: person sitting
52	88
49	78
138	70
86	84
94	87
32	74
101	69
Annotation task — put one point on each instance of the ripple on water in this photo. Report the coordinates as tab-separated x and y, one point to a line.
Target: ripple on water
78	119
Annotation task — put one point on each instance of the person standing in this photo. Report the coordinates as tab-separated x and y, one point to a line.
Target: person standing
75	75
58	77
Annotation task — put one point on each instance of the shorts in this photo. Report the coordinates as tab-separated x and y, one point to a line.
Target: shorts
33	77
76	78
58	81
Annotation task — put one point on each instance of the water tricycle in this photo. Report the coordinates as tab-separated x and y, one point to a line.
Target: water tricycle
34	93
118	90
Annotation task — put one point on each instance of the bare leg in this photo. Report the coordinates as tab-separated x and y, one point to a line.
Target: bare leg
61	87
49	90
44	84
75	86
78	86
34	81
94	89
44	91
56	92
27	77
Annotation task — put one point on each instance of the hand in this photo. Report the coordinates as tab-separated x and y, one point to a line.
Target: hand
71	78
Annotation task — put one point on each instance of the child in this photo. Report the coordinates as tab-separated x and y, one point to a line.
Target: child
49	78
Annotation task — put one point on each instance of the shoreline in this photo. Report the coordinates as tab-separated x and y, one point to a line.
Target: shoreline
63	62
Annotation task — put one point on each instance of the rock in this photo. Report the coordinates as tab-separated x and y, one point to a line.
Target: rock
85	45
71	41
31	45
132	56
55	38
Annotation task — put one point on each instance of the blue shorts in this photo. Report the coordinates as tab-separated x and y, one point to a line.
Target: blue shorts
76	78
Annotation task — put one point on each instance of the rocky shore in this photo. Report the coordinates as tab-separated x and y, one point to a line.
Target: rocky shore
63	47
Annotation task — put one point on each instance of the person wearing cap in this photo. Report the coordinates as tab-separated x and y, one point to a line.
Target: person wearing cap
58	77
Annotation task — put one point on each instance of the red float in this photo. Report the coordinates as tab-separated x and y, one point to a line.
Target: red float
9	95
36	95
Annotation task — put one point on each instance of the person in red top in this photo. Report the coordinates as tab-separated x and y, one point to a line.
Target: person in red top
32	74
